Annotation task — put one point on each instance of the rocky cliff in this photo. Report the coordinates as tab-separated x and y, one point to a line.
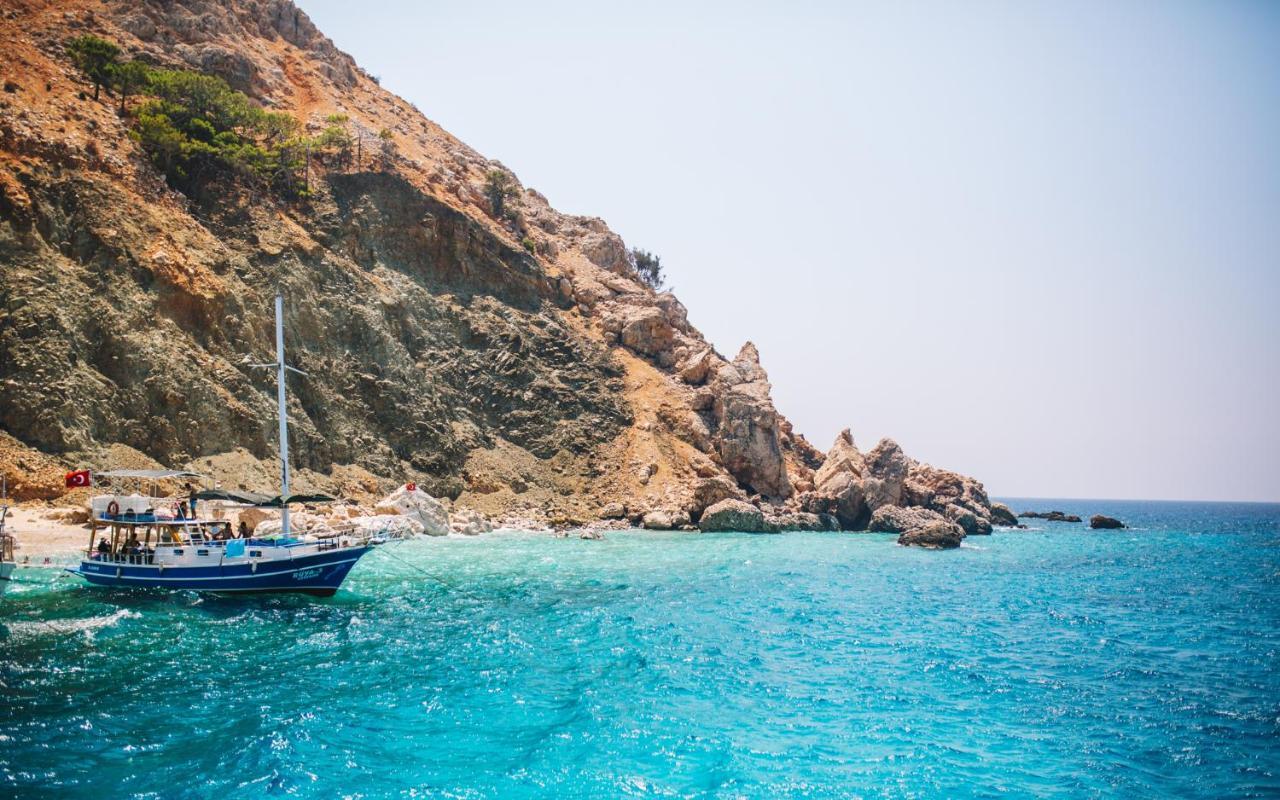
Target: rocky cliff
493	349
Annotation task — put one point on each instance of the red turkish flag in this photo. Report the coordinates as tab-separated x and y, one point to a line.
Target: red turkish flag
77	478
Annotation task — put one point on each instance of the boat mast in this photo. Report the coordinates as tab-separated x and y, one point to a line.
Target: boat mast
284	417
280	367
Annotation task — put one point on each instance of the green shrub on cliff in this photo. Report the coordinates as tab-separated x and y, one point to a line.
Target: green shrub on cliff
648	268
94	57
194	126
499	187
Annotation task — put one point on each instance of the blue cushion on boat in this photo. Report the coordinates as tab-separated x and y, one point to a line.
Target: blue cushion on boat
235	547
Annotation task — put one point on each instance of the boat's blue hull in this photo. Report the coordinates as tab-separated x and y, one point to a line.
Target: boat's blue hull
319	574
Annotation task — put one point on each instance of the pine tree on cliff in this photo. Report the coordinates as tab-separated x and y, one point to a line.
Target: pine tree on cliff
500	187
96	58
129	78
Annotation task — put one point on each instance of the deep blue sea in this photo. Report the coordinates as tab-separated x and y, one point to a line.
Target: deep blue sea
1054	662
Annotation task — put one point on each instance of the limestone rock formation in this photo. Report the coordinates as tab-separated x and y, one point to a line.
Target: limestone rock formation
1002	515
933	536
748	430
733	515
896	519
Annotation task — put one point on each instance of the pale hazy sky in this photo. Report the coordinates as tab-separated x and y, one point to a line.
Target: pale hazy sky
1034	242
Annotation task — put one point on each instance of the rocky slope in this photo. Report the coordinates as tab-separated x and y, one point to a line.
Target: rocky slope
512	362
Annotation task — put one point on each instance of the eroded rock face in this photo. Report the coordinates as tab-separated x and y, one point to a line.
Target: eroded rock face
1098	521
733	515
747	433
838	487
886	470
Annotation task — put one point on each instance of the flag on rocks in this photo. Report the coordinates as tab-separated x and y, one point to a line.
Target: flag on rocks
77	478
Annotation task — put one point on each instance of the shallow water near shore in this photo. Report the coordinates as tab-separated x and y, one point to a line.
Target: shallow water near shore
1052	662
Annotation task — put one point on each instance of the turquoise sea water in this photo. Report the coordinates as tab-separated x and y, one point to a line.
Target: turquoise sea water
1055	662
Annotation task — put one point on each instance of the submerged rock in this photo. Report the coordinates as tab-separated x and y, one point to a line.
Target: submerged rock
1051	516
1104	522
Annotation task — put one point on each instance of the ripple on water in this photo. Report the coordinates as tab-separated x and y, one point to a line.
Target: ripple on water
1042	663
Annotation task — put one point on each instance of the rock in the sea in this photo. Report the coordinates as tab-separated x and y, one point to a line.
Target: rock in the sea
939	535
1051	516
969	522
895	519
657	521
418	505
1002	515
733	515
1104	522
591	533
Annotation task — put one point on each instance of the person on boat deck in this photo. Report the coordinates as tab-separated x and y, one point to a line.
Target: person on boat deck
244	530
104	547
191	501
132	547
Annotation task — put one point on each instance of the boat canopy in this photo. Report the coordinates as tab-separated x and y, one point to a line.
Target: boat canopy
261	500
149	474
277	501
247	498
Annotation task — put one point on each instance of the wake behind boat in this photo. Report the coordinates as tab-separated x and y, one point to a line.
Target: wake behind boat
150	547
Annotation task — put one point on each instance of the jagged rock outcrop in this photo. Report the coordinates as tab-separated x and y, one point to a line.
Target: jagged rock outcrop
748	431
886	471
1099	521
1003	516
838	489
